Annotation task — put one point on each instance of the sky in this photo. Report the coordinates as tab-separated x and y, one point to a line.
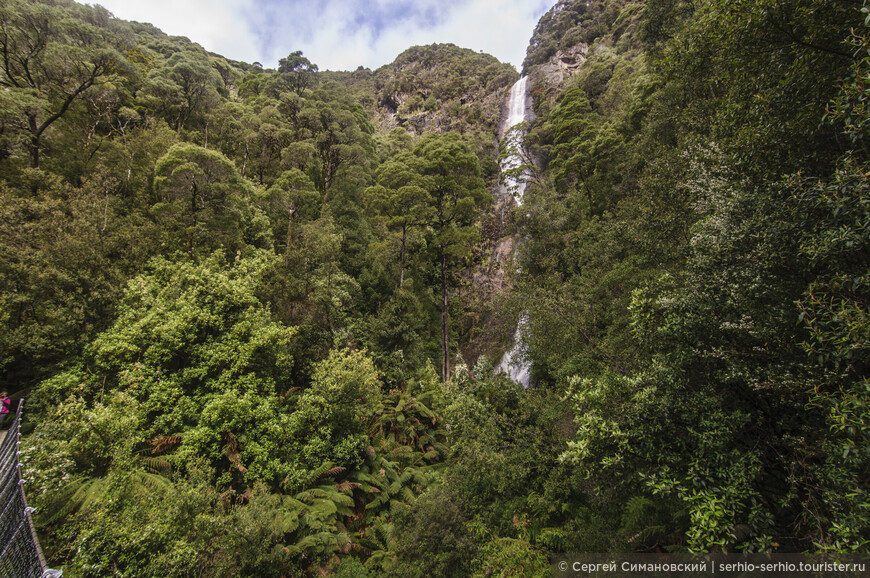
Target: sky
340	34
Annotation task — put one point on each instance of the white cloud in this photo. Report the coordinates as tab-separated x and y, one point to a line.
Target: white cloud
218	25
340	34
503	32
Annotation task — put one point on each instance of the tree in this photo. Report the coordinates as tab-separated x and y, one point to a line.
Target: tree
337	138
184	89
291	200
573	156
451	178
752	76
198	351
401	199
329	424
201	196
65	255
297	71
51	55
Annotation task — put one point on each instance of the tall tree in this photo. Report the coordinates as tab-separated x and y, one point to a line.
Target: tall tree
183	90
401	199
337	140
297	71
201	195
49	60
456	192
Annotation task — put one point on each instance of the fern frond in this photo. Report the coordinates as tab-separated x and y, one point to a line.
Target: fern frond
72	498
407	494
163	444
87	493
157	465
149	481
357	547
325	470
332	472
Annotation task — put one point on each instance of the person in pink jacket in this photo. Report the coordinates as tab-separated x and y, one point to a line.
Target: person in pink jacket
4	407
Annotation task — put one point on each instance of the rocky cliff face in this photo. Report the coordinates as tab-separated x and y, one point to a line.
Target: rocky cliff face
572	32
442	87
563	64
589	44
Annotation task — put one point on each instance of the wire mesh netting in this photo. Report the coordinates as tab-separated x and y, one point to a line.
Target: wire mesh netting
20	554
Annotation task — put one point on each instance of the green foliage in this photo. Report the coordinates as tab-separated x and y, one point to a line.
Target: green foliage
570	23
203	359
697	271
182	90
455	193
291	200
53	56
201	196
298	71
223	288
329	422
65	257
435	525
441	87
770	71
511	557
832	309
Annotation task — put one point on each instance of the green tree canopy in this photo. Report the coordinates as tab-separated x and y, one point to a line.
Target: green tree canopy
52	55
298	72
202	198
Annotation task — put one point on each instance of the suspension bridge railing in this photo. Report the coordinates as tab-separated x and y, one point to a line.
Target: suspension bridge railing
20	554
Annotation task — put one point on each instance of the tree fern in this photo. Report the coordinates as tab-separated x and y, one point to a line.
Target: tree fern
157	465
84	494
644	524
76	495
406	430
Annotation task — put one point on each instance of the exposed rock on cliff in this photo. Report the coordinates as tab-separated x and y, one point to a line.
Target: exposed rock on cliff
571	33
442	87
564	64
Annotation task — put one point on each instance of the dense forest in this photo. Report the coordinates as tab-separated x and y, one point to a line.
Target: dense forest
255	313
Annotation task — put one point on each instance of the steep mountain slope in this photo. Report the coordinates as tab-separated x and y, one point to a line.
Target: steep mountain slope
224	291
671	271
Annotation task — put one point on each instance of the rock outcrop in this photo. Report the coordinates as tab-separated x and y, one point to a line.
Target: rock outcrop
442	87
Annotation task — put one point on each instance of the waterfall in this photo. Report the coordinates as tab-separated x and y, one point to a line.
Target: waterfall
516	114
517	104
514	363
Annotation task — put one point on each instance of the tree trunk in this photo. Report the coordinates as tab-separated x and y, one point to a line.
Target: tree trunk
193	210
588	194
245	161
289	239
34	152
402	257
34	163
445	334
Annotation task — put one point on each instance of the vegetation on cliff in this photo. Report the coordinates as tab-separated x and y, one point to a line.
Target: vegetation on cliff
242	303
695	270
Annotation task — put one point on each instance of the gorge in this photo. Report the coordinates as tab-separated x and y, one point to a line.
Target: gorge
262	317
514	363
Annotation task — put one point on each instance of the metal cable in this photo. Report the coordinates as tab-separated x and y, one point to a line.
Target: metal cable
20	553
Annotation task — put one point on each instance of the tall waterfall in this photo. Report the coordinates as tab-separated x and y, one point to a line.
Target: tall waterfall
514	363
516	114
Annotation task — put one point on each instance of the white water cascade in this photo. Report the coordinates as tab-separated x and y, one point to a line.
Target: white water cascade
515	362
516	114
